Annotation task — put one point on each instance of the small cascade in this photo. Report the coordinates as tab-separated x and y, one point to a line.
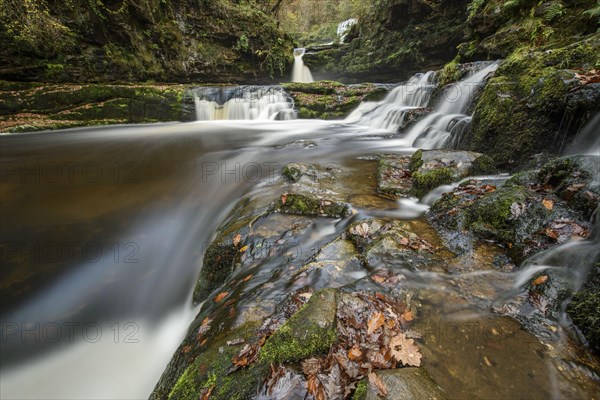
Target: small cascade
301	73
446	126
344	28
588	140
243	103
390	113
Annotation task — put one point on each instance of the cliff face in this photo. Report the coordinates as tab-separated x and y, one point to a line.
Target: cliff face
397	38
135	40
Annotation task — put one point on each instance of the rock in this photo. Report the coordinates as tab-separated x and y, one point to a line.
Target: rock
584	308
427	169
406	383
331	100
309	332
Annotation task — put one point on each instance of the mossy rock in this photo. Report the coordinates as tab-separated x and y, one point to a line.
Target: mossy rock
311	331
424	182
305	204
584	308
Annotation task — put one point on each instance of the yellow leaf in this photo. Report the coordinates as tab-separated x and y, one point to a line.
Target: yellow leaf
375	323
220	297
243	249
549	204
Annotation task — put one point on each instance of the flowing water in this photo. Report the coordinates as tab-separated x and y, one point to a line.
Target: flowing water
300	72
103	232
344	28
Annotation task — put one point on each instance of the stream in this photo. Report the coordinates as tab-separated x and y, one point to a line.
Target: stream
103	232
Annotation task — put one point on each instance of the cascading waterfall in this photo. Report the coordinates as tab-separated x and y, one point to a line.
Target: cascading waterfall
390	113
588	140
344	28
243	103
445	126
301	73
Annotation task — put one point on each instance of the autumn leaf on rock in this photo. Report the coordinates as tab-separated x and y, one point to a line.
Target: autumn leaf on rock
237	239
247	278
361	230
375	322
540	280
220	297
355	353
405	350
549	204
378	383
311	366
283	198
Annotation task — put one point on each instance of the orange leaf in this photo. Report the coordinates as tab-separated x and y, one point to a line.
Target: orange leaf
354	353
243	249
375	323
549	204
283	198
540	280
378	278
407	316
220	297
551	233
186	349
246	279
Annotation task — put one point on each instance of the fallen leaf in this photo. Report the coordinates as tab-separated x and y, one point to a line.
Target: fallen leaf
247	278
540	280
355	353
243	249
235	342
186	349
205	394
220	297
378	383
551	233
237	239
375	322
407	316
378	278
517	209
283	198
549	204
311	366
405	350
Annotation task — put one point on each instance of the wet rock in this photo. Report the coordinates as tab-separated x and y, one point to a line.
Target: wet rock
310	331
584	308
303	204
427	169
406	383
337	264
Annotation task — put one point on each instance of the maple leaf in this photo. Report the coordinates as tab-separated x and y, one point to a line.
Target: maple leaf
378	383
405	350
375	322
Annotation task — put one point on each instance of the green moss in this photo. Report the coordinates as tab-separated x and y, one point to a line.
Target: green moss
584	308
306	205
483	165
361	390
491	215
311	331
424	182
416	161
450	73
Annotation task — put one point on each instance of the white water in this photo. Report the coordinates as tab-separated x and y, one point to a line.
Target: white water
344	27
243	103
390	113
588	140
301	73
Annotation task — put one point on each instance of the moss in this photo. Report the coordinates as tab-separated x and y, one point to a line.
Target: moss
424	182
491	215
361	390
307	205
311	331
293	172
555	172
483	165
211	368
450	73
584	308
416	161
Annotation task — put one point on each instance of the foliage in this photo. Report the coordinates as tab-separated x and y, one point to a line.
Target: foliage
594	12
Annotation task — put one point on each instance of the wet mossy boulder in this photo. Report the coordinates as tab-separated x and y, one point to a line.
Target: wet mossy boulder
527	213
536	102
425	170
331	100
311	331
584	308
403	383
306	204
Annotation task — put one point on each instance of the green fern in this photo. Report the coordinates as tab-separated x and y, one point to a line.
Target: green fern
555	10
594	12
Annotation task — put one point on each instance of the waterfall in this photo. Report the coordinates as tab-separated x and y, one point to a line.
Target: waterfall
390	113
242	103
301	72
446	125
344	28
588	140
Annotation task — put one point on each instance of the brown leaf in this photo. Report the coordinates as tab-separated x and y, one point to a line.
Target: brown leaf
405	350
186	349
205	394
378	278
235	342
247	278
540	280
355	353
549	204
311	366
551	233
375	322
219	298
283	198
237	239
407	316
378	383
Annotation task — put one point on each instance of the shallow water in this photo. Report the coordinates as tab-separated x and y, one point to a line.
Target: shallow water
103	232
